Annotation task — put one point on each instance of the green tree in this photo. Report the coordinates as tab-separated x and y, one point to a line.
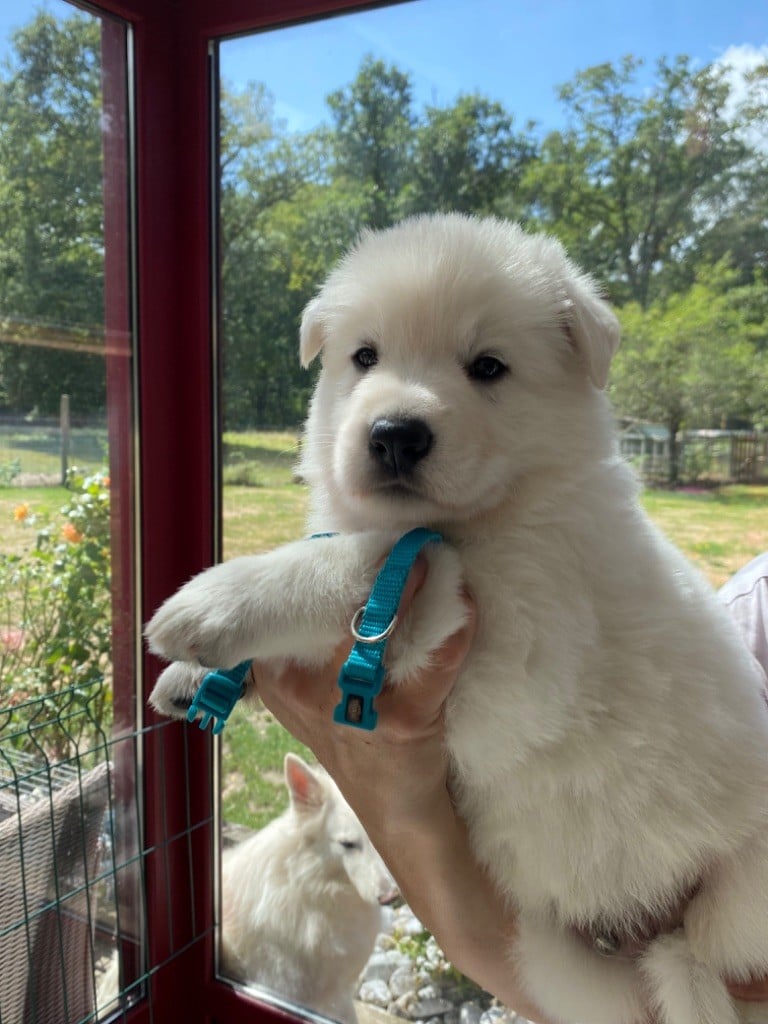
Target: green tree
635	180
283	224
738	216
697	358
467	157
51	237
373	136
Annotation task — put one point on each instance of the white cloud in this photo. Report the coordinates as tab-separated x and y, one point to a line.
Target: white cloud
738	62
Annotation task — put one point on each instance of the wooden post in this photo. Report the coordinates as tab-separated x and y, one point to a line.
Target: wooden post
64	425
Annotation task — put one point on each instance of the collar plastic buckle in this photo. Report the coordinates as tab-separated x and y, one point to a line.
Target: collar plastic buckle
358	691
218	693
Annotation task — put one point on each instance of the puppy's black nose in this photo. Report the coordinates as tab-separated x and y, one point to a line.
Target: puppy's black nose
398	444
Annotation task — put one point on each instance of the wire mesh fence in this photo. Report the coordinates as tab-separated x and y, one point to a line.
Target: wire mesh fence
68	857
74	863
40	451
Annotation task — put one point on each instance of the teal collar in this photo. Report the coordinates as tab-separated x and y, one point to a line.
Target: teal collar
362	674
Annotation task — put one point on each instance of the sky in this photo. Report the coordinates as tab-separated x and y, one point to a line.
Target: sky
514	51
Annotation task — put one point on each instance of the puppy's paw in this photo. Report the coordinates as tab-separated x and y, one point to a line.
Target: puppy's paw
684	990
175	689
209	620
726	922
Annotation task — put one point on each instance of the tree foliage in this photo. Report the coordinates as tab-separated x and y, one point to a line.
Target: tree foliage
660	191
634	182
51	238
696	358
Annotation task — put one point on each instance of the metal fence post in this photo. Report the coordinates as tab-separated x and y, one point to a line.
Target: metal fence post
64	423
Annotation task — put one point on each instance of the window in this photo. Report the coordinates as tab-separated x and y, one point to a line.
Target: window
69	808
108	344
361	119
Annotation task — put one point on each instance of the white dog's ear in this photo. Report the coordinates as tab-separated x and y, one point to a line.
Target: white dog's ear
305	789
312	333
591	326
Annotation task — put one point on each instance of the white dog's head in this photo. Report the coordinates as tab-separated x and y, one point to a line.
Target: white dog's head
460	356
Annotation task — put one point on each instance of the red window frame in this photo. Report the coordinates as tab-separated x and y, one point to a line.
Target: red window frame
178	513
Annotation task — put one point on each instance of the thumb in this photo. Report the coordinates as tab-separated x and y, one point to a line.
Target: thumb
413	584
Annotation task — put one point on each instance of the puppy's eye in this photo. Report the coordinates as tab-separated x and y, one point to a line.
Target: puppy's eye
486	368
350	844
365	357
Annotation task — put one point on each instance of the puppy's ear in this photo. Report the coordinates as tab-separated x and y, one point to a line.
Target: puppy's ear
591	326
312	333
304	787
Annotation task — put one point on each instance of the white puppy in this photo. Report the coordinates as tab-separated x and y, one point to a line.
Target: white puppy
302	899
608	734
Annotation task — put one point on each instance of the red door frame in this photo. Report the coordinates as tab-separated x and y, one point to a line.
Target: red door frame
177	511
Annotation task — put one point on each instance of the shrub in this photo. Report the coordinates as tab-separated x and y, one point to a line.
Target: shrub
9	471
55	626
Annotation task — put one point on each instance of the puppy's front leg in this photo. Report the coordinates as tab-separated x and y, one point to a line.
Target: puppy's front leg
294	602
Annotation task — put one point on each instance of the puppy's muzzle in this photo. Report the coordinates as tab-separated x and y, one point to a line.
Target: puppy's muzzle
398	445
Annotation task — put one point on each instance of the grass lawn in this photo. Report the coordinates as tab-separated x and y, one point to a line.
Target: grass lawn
719	530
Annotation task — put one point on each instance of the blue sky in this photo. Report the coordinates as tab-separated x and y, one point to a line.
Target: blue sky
515	51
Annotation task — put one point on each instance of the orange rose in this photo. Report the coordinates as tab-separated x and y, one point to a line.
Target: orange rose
71	533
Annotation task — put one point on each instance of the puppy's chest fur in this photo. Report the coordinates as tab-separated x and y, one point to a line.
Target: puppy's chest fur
600	776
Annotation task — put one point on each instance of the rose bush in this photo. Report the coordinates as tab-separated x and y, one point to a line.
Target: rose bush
55	626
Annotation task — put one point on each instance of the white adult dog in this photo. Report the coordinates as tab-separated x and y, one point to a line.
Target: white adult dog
302	899
608	735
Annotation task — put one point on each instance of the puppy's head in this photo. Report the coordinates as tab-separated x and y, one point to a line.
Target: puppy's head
459	356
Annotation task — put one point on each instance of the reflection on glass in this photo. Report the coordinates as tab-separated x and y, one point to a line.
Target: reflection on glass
650	167
68	826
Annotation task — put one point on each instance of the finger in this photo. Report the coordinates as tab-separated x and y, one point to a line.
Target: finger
751	992
413	584
451	654
421	699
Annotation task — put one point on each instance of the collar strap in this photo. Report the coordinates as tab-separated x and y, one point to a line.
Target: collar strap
362	674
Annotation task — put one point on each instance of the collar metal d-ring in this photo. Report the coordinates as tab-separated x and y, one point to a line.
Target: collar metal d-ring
377	639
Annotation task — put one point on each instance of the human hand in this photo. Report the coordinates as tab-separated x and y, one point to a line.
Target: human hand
401	765
752	992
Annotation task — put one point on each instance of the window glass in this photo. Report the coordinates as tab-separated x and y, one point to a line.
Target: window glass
640	145
68	809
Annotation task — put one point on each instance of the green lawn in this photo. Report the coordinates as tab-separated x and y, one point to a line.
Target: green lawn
719	530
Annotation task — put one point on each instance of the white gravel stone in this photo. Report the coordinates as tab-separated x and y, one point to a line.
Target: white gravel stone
403	980
423	1009
375	992
498	1015
381	966
470	1013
